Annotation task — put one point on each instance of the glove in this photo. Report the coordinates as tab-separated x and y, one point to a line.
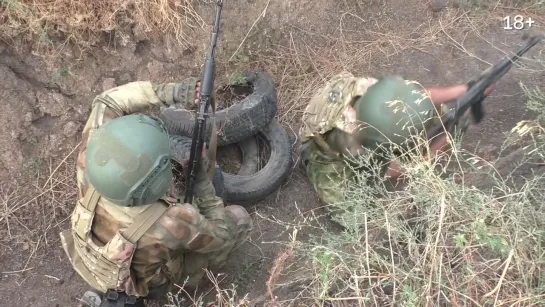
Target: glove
185	93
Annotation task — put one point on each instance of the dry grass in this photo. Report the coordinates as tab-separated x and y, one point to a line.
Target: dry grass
437	241
222	297
34	208
301	68
50	24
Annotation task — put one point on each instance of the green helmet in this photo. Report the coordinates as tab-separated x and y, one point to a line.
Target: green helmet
391	111
128	160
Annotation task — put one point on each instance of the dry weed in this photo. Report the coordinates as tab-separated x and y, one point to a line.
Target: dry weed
35	207
223	297
437	240
47	24
301	69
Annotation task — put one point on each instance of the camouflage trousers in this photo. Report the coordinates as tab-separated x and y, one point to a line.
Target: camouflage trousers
194	265
239	224
327	175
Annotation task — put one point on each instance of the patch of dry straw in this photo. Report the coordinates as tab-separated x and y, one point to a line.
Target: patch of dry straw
34	207
45	22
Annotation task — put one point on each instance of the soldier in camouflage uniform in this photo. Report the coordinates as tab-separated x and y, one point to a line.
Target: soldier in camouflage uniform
351	114
128	239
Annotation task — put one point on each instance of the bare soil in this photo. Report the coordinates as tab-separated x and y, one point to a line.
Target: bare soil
45	105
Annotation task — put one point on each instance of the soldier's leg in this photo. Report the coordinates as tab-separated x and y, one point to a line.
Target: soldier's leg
240	224
329	179
194	269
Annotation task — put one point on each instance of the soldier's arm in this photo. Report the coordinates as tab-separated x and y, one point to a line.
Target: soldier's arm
140	96
442	95
183	227
201	228
137	97
209	205
127	99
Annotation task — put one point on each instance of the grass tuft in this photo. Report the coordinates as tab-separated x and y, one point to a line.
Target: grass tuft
436	239
47	22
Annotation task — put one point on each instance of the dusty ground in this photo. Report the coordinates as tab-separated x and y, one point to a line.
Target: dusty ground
45	106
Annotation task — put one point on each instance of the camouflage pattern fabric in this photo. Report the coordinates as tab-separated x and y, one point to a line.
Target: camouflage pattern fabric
326	169
326	109
328	173
183	240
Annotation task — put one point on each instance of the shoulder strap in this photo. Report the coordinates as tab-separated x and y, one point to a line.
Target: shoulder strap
144	221
90	199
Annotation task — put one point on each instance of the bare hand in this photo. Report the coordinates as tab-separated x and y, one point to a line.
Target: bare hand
488	90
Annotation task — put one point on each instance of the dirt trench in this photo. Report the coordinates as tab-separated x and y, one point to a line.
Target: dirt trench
44	107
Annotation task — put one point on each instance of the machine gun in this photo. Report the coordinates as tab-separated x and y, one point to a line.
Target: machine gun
205	100
475	95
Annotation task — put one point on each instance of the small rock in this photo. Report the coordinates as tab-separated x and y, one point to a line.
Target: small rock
108	83
54	104
83	109
15	134
70	129
26	246
28	118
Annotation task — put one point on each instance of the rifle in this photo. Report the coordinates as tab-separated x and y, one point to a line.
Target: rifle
475	95
205	99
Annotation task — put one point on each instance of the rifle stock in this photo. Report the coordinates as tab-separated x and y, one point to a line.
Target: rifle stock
474	97
201	116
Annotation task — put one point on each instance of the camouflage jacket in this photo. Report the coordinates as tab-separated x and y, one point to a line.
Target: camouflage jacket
158	255
329	113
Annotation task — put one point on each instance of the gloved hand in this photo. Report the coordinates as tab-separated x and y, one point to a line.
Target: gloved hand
186	93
